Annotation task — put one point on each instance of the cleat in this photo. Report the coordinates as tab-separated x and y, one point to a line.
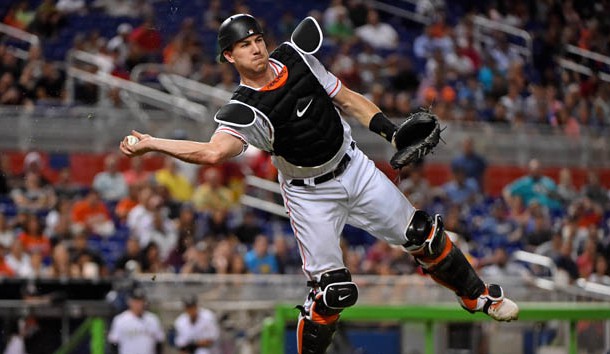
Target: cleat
493	303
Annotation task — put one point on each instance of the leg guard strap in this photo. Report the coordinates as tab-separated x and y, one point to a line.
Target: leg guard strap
312	337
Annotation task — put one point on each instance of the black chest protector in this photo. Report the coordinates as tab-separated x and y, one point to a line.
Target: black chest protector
308	129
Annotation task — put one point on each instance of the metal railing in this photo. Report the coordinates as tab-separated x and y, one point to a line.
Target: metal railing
256	185
570	65
86	129
145	94
584	53
483	24
132	93
35	127
395	10
24	36
182	86
196	89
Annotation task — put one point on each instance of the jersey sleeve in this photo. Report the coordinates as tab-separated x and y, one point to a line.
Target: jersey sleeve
214	329
158	332
328	80
182	338
236	132
113	334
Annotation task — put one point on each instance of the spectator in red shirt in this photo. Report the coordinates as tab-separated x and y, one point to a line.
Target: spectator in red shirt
146	37
91	214
5	270
136	174
32	237
127	203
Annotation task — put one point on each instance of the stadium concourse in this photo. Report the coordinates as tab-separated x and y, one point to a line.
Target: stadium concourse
82	214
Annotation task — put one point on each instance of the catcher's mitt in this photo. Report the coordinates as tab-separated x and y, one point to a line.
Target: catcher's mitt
416	137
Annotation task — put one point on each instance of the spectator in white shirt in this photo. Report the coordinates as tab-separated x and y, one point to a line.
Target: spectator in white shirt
120	42
19	261
378	34
163	232
7	234
110	183
71	6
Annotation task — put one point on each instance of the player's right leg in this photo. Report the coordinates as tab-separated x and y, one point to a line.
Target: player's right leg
317	216
428	242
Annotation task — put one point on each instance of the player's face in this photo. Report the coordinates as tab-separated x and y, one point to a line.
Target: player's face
249	55
137	306
191	311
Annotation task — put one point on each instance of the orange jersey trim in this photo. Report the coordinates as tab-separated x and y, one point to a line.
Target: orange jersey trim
279	81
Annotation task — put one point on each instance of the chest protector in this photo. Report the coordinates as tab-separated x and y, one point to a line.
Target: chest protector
308	129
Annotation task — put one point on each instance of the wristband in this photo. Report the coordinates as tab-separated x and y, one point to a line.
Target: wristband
381	125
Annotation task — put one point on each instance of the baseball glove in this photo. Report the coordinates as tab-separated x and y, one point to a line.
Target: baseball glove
415	137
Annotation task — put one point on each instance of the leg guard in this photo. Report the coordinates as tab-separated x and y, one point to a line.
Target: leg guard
434	251
320	313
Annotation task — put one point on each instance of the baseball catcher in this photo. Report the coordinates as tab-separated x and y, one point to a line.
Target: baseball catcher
289	105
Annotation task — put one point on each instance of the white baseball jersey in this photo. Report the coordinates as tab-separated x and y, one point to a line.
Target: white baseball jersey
136	335
361	196
205	327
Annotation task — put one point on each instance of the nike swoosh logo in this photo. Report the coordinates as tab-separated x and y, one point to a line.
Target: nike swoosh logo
341	298
300	114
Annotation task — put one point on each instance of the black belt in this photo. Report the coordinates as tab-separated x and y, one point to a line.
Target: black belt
330	175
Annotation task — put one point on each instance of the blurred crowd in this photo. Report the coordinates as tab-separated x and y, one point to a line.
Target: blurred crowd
399	65
184	219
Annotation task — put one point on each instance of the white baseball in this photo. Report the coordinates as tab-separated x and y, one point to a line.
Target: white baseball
132	140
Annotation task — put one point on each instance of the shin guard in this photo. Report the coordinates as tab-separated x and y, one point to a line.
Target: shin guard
438	256
315	331
453	270
312	337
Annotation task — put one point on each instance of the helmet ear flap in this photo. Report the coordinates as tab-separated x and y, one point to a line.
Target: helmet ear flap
221	56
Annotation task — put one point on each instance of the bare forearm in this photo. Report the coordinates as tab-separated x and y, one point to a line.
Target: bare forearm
189	151
357	106
367	112
220	148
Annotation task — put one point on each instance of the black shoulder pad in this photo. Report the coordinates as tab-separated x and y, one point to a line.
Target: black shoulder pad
235	114
307	37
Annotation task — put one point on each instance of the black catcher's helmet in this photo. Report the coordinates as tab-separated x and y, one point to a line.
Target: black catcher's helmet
234	29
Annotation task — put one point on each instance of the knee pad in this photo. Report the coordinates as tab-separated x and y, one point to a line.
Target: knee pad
334	292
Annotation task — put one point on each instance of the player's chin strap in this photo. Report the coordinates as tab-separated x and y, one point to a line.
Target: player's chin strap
320	313
438	256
